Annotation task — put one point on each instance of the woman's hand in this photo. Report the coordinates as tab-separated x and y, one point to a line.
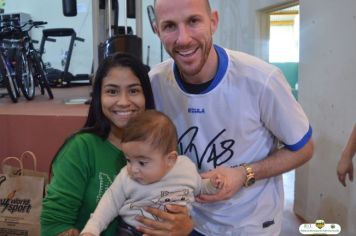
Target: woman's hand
70	232
175	222
87	234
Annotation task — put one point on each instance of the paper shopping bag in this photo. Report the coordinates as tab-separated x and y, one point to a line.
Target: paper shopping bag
14	170
20	204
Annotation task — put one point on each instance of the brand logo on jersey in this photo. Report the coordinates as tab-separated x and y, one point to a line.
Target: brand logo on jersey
196	110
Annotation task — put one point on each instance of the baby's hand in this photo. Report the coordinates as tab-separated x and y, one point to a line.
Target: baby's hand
218	181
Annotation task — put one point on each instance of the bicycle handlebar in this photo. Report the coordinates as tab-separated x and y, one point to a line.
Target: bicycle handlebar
29	22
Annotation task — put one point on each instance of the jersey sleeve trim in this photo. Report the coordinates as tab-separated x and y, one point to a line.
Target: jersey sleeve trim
302	142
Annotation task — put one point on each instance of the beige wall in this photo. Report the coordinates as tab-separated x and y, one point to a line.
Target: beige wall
328	95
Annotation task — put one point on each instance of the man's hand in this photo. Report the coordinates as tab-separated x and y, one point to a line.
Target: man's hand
175	222
234	180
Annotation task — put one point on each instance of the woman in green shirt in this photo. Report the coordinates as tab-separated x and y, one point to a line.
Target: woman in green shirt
89	160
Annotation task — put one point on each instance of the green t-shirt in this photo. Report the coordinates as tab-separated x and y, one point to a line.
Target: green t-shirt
84	168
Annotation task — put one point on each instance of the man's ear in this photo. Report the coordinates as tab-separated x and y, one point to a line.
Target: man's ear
214	21
172	157
155	28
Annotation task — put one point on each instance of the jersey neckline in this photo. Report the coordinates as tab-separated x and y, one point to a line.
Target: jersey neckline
222	67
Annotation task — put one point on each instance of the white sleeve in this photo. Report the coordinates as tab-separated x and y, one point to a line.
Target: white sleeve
282	114
108	207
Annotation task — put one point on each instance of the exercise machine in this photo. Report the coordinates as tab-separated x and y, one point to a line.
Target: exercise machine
56	77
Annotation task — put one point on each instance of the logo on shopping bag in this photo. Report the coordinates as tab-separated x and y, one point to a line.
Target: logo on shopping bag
12	204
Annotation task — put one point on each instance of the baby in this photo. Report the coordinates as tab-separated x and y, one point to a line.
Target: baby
154	175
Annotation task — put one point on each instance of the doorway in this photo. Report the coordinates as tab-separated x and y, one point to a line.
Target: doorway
284	53
284	43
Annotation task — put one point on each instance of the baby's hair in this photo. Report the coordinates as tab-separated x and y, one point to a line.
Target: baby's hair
154	127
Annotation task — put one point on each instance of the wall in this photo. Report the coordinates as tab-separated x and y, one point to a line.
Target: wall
20	133
51	11
327	91
240	24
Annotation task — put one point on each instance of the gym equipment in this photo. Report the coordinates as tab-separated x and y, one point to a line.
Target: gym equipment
122	40
69	7
56	77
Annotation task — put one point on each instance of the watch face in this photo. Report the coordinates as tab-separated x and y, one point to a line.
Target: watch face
250	181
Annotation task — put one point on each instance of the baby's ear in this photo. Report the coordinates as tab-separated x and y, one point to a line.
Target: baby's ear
172	157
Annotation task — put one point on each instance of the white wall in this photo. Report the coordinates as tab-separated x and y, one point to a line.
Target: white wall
240	24
328	94
51	11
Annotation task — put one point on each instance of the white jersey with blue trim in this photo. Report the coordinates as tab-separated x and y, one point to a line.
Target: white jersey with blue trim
240	117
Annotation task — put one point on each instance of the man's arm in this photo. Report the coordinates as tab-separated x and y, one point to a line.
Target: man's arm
283	160
279	162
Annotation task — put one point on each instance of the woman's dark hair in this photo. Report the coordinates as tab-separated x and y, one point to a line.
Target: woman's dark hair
96	121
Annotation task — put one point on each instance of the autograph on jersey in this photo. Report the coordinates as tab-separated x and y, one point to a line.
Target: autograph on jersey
218	150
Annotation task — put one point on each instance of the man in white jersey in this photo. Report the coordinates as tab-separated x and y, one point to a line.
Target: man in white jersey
231	110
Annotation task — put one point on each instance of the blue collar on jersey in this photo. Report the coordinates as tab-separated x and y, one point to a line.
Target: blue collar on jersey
222	60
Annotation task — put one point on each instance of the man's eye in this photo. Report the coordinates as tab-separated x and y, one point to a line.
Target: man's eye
194	21
169	27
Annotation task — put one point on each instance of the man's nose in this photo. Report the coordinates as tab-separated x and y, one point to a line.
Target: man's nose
183	35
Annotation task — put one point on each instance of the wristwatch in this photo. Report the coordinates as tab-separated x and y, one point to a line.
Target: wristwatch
250	175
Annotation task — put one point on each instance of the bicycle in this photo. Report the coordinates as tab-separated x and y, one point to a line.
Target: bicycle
30	69
34	58
7	71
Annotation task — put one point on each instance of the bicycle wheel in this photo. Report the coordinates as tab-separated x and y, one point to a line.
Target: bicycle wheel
24	76
41	74
9	81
